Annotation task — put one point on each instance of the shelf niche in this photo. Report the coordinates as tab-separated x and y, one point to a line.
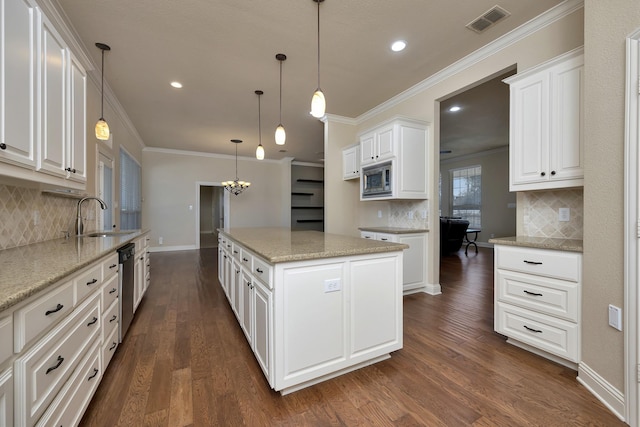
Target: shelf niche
307	198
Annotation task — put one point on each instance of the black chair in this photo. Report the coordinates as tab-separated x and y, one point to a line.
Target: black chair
452	233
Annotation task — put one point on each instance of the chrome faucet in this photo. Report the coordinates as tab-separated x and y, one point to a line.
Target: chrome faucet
79	225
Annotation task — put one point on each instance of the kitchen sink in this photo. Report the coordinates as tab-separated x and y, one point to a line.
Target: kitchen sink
106	233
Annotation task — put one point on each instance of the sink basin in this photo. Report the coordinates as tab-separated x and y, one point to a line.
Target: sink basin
106	233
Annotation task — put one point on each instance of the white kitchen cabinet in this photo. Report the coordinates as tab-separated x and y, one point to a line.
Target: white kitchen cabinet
537	300
377	145
6	338
546	126
405	143
140	270
19	60
6	397
76	165
246	320
414	260
262	326
351	162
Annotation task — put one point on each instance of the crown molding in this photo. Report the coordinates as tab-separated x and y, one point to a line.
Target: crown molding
210	155
523	31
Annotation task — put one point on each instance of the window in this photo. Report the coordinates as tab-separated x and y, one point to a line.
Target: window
466	196
130	193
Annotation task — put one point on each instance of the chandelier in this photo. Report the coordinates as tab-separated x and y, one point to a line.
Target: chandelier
236	186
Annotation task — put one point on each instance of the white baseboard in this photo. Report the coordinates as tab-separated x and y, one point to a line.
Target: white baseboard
432	289
610	396
172	248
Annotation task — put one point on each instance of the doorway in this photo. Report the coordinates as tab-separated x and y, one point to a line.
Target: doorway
211	214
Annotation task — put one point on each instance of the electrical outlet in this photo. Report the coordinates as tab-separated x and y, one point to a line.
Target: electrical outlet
564	214
410	214
36	217
160	240
379	214
332	285
615	317
423	214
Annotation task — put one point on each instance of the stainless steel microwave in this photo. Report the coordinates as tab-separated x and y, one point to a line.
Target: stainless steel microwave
376	180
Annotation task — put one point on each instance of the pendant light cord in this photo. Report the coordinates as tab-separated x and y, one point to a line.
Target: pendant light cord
102	88
260	122
281	92
236	162
318	43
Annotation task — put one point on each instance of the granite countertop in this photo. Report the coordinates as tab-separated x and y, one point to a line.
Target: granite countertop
283	245
569	245
27	270
393	230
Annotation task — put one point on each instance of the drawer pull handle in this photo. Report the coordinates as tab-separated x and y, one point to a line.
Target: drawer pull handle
113	318
533	294
249	284
112	290
112	346
245	260
537	331
141	258
259	271
95	372
532	262
113	266
236	252
94	320
384	239
53	368
55	310
92	282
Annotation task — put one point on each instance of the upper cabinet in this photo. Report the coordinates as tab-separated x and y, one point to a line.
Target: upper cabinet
351	162
43	100
546	140
405	144
18	59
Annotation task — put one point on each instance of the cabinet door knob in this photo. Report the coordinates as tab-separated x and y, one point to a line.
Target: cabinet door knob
3	146
553	172
542	173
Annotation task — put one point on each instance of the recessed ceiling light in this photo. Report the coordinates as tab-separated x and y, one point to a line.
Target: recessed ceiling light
454	109
177	85
399	45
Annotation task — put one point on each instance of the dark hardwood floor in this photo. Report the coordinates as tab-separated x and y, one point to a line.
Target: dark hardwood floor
185	361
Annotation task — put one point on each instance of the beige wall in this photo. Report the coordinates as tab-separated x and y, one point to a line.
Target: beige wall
169	188
607	24
550	41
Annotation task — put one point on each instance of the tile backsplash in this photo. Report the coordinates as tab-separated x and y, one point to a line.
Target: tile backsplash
540	213
30	216
401	211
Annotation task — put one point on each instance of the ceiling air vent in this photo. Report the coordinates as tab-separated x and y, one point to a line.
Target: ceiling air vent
487	19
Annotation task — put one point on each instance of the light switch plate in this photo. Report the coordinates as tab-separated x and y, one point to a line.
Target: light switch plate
615	317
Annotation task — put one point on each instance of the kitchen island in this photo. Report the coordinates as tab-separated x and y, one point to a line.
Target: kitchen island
312	305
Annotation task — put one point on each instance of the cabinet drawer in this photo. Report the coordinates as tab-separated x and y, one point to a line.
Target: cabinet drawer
41	314
6	338
236	252
559	264
547	333
384	237
109	348
368	235
43	370
262	271
548	296
88	282
110	293
110	266
69	406
110	320
246	260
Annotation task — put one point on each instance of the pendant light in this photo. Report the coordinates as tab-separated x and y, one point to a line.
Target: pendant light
236	186
102	128
260	149
281	135
318	103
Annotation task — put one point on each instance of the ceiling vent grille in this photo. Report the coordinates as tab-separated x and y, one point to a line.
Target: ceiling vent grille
488	19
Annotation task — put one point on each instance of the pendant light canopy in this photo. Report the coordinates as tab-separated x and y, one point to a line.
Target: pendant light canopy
236	186
318	103
102	128
260	149
281	135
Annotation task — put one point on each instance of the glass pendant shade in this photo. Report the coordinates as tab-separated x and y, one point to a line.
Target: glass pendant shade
318	104
260	152
102	130
281	135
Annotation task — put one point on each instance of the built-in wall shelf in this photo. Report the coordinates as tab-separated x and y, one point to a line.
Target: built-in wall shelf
307	197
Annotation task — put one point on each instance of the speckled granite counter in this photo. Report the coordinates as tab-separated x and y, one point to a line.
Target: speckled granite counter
283	245
570	245
393	230
26	270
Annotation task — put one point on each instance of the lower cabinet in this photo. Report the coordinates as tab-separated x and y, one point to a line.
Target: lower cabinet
262	321
537	300
414	261
6	398
141	270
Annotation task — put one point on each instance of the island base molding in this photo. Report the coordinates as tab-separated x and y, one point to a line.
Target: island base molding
335	374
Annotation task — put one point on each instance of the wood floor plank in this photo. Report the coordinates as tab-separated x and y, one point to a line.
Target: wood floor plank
186	362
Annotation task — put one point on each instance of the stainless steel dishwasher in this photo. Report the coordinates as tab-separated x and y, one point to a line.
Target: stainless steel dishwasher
126	283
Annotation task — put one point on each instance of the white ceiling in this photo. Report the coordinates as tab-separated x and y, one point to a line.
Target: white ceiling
223	50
